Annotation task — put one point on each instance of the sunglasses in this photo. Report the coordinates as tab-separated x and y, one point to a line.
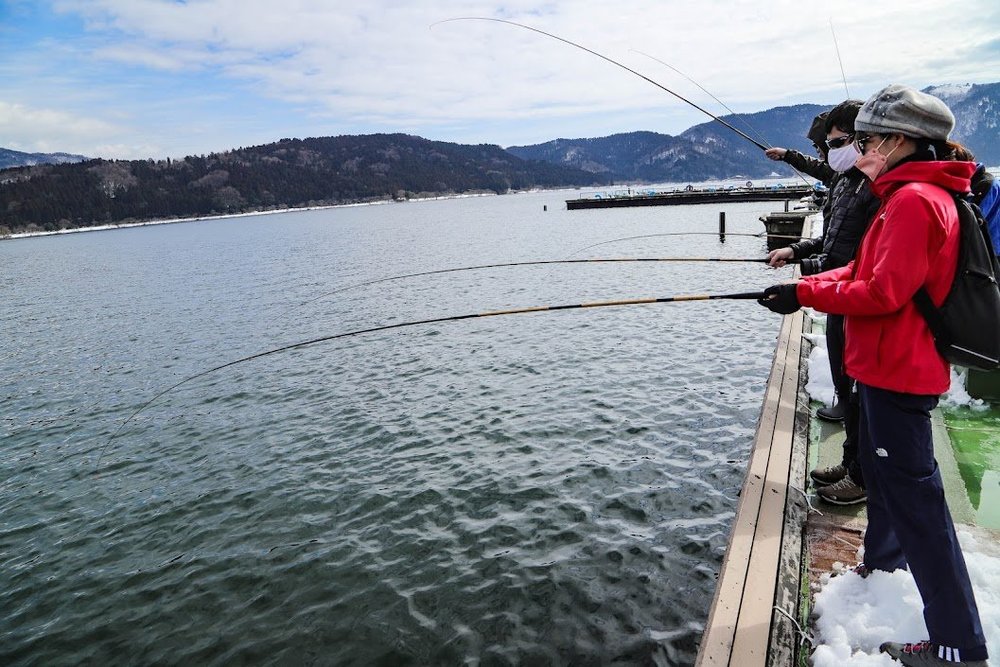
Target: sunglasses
840	142
862	139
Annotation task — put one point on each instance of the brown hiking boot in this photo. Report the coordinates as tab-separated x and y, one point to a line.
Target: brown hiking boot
831	475
844	492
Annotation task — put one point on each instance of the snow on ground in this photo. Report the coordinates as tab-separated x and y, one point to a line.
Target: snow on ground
856	615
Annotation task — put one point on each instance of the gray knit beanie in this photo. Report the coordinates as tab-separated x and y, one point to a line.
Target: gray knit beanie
903	110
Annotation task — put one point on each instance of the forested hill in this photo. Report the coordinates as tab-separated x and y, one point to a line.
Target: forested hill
9	158
289	173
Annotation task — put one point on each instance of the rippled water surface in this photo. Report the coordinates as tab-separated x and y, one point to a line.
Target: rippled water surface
552	488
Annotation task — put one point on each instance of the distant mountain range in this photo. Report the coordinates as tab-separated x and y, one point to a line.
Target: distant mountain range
712	151
61	191
9	158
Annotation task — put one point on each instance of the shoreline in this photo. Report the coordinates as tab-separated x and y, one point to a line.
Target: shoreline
380	202
225	216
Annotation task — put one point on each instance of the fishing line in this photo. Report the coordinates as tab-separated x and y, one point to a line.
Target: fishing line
413	323
538	263
613	62
735	115
704	90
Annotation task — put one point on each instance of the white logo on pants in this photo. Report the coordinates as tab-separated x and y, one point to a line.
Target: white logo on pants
881	452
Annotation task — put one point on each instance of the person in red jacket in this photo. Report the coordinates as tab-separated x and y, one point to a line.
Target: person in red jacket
902	135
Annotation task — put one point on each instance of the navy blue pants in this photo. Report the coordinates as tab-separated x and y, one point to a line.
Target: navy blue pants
909	523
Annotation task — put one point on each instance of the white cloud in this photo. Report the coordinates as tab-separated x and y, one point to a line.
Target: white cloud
380	64
37	130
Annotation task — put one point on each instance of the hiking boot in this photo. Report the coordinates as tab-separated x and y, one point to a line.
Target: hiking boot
844	492
831	475
926	654
860	569
832	414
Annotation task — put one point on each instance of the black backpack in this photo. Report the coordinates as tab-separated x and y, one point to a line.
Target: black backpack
966	328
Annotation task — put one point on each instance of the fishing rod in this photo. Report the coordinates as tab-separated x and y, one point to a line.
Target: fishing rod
536	263
413	323
613	62
651	236
836	46
704	90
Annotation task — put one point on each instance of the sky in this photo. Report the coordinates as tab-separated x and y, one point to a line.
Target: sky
141	79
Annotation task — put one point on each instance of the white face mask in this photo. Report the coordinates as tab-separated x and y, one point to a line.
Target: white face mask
843	158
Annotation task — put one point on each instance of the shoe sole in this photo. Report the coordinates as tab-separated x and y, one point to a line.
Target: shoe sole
830	419
837	501
820	483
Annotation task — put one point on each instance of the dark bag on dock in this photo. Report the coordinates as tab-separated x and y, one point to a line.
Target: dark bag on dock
966	328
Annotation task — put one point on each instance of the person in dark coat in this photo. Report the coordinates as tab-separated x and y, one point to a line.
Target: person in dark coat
818	169
849	209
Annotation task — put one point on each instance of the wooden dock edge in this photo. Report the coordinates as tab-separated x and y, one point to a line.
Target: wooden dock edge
762	570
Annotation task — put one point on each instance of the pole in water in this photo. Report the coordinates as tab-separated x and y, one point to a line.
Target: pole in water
722	226
613	62
433	320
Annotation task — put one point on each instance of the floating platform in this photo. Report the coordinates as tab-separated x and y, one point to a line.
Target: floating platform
690	195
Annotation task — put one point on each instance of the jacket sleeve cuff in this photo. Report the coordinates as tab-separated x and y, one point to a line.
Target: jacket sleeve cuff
803	293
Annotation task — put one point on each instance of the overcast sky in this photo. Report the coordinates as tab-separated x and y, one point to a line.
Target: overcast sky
159	78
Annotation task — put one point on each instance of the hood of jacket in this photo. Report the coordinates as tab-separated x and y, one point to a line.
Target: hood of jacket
952	176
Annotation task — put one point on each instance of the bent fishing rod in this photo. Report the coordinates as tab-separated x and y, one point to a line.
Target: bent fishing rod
651	236
613	62
596	260
414	323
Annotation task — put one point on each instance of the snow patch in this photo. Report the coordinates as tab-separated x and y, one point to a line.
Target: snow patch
820	384
958	396
951	92
856	615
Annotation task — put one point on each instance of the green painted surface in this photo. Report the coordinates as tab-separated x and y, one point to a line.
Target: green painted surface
975	438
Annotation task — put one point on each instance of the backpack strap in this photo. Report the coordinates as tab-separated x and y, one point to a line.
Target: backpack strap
933	317
922	300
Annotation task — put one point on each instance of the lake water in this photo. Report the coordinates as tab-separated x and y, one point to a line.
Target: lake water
551	488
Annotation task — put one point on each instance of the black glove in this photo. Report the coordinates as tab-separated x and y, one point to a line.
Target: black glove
781	299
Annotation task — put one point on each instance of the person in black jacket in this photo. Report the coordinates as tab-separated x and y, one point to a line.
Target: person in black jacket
847	213
818	169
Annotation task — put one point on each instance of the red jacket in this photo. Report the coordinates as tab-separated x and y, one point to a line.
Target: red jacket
912	241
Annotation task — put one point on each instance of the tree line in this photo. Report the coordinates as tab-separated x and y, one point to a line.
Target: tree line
286	174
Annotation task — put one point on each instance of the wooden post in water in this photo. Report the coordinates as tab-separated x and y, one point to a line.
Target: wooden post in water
722	226
786	206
